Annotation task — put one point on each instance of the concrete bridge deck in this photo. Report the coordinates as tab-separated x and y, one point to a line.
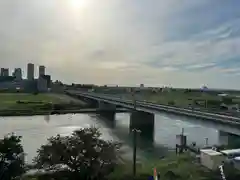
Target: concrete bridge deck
156	108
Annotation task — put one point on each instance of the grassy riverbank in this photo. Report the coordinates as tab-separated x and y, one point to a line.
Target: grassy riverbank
174	167
16	104
209	101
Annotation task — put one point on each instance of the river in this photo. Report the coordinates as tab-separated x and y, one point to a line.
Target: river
36	129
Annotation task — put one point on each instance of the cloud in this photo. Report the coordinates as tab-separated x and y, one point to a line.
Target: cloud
168	68
124	42
201	66
233	70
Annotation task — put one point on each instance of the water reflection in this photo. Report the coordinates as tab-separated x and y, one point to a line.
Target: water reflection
47	118
37	129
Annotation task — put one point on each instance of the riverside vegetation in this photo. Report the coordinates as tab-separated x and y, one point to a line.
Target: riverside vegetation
85	156
15	104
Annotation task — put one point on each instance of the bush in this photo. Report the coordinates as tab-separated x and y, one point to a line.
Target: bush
11	157
84	154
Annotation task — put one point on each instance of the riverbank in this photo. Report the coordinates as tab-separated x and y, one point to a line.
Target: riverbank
55	112
153	107
207	101
23	104
172	167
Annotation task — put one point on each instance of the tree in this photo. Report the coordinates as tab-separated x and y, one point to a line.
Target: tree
11	157
84	154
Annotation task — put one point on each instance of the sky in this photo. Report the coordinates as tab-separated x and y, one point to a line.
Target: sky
179	43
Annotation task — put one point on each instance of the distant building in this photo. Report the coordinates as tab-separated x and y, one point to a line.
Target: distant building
44	83
41	70
48	79
30	71
6	79
4	72
204	88
17	74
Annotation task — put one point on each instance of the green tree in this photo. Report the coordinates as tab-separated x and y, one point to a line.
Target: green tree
11	157
84	154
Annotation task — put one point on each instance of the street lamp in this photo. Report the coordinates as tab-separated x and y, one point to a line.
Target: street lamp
135	131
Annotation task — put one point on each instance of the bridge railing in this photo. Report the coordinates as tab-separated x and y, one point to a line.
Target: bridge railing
155	106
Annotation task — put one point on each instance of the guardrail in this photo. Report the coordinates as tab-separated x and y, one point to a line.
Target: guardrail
158	107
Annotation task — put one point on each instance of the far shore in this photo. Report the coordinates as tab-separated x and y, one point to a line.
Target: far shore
26	104
35	113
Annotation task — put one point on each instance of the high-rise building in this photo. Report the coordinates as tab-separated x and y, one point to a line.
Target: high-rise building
4	72
44	83
48	79
41	71
17	74
30	71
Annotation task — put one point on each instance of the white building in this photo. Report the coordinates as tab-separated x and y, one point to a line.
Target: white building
231	153
211	159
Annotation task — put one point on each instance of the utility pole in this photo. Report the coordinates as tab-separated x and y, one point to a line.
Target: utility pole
135	131
206	140
134	99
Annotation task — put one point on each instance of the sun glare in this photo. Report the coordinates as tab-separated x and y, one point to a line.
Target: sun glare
78	4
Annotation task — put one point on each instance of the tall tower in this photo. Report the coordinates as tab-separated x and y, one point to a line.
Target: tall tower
30	71
41	71
18	74
4	72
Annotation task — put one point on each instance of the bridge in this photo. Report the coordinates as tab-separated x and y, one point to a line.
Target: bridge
142	112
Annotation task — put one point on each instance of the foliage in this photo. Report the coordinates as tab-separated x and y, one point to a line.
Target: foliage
171	103
230	172
227	100
11	157
84	154
181	167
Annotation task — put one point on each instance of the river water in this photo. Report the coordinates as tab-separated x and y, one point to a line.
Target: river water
36	129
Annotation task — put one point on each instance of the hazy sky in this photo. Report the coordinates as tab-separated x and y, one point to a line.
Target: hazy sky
155	42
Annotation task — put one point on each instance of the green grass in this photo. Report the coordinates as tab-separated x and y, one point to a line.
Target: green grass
9	100
181	99
183	166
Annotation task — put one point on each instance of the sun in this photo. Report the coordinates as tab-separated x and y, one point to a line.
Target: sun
78	4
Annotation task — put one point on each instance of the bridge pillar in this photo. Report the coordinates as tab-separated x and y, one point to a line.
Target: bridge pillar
229	139
223	138
107	110
143	121
106	106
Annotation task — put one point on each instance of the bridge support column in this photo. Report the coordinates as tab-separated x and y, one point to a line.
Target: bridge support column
229	139
143	121
223	138
106	106
107	110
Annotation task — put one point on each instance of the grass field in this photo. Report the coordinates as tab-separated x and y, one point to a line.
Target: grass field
178	97
181	167
9	100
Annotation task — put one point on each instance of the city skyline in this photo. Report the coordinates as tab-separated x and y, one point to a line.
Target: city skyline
37	71
181	44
